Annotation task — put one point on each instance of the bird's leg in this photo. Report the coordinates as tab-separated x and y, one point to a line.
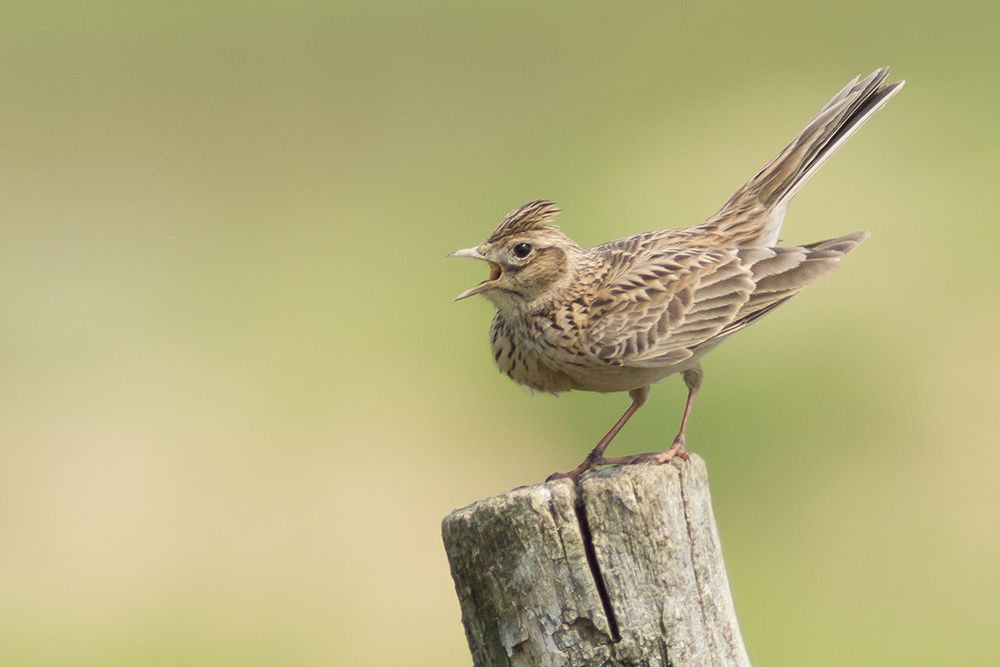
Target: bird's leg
692	378
596	456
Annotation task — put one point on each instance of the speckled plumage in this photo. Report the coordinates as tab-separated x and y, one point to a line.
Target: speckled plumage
627	313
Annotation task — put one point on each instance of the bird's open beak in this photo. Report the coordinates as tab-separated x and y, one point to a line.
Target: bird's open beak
495	272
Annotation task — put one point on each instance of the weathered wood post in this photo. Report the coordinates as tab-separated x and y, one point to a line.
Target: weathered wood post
622	567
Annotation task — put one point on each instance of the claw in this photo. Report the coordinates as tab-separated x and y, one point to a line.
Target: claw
676	449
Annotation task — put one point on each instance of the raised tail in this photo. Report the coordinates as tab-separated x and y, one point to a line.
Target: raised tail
758	208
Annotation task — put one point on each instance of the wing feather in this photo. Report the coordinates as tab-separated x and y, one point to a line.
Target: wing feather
659	306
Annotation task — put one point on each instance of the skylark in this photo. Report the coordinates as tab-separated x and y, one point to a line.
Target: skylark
628	313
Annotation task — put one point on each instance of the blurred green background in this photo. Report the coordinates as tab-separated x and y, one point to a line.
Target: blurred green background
236	398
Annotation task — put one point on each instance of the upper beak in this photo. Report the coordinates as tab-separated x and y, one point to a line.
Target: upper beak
486	284
468	252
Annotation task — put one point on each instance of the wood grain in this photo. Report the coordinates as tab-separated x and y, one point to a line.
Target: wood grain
622	567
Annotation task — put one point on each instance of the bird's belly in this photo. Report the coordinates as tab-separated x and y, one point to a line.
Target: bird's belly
536	362
608	379
552	373
532	369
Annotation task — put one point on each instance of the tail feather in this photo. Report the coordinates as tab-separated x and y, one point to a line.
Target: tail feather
761	202
835	124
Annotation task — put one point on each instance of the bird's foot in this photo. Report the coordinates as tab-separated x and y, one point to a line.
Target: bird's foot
592	461
562	475
676	449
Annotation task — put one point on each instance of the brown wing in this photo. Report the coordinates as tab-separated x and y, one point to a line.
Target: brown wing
658	307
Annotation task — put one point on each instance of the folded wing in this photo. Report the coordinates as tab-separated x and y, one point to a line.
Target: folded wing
660	306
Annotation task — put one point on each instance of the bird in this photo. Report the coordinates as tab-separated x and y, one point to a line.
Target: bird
625	314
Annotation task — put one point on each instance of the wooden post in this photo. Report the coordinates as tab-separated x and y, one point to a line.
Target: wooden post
622	567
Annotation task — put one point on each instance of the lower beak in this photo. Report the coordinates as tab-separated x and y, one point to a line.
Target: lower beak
495	273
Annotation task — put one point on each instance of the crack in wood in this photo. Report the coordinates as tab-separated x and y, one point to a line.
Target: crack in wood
595	568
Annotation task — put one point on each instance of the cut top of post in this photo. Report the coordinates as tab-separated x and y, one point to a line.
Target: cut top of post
620	567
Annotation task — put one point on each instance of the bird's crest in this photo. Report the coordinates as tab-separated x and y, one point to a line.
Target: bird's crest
536	215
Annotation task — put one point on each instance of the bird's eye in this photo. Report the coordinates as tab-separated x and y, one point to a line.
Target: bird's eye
522	250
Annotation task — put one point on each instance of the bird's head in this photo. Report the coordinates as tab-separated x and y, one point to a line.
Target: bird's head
527	256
